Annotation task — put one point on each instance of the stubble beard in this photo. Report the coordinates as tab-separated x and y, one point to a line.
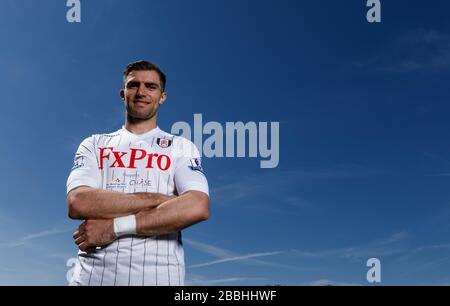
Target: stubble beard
135	117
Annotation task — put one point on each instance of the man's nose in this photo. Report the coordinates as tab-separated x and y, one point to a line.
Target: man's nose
141	90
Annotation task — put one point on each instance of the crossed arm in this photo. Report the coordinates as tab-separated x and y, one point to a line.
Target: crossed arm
156	214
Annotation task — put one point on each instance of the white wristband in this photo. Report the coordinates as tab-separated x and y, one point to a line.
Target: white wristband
125	225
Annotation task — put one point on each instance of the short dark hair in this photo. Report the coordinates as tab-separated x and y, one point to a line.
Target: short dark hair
145	65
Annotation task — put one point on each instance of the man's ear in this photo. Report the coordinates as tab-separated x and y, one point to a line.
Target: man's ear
122	94
163	98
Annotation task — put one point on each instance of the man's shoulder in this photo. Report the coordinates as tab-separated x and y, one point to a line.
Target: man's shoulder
178	141
109	135
94	138
163	134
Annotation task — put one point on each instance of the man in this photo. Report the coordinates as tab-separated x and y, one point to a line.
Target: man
136	189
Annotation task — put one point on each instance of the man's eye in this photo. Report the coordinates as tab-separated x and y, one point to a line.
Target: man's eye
132	85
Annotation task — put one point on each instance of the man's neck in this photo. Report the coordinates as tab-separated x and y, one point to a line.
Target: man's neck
140	126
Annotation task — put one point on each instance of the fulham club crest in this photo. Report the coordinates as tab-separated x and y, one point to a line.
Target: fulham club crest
164	143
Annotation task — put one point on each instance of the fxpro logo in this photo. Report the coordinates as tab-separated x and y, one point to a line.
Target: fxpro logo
231	140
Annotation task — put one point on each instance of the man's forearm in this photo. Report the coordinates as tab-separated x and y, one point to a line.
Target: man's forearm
173	215
90	203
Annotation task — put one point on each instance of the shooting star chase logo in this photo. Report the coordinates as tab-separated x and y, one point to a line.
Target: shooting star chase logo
116	183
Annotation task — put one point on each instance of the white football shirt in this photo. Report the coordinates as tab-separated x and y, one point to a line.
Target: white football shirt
152	162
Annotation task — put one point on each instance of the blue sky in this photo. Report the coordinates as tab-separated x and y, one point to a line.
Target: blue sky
363	109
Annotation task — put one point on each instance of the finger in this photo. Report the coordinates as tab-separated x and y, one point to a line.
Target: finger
83	246
76	234
79	240
82	227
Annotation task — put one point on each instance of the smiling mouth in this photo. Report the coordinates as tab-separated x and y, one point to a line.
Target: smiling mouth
141	102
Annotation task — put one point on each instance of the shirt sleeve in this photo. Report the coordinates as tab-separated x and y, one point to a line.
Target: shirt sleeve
85	171
189	174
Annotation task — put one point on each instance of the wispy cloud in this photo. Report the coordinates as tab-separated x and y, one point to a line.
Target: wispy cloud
224	256
418	50
17	266
236	258
391	245
208	249
228	190
31	237
431	247
236	279
423	265
326	282
198	280
381	247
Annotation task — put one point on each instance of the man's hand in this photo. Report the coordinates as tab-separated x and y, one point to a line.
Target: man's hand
94	233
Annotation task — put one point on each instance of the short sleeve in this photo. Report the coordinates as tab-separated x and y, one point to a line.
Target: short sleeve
85	171
189	174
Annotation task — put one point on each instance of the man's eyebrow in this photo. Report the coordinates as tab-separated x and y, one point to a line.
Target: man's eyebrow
151	83
146	83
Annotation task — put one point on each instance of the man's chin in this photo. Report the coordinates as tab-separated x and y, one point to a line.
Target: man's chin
140	117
